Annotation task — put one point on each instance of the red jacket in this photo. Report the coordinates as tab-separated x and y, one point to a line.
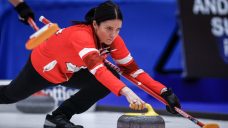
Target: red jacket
74	48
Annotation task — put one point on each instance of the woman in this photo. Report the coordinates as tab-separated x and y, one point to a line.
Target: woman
74	57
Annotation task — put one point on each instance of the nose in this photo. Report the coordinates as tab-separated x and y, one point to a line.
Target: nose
112	35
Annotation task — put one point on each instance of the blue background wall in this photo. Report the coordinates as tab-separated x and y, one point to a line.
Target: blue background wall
146	29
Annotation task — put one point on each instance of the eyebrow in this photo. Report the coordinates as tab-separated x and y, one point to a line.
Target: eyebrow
113	27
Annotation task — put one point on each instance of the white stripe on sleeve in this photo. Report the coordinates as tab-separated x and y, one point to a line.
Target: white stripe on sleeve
125	60
85	51
135	74
94	70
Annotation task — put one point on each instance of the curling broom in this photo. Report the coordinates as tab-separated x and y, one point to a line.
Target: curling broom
158	97
41	34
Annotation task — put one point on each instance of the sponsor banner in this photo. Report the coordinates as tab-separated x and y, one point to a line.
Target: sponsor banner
204	24
60	93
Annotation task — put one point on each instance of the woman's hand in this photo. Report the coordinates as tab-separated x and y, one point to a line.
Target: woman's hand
136	103
25	12
172	100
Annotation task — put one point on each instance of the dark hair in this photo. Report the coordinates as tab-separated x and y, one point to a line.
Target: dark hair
105	11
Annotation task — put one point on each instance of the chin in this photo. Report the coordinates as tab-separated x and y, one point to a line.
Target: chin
108	42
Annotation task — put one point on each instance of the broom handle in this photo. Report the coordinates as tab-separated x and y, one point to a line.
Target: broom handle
44	20
33	24
41	19
155	95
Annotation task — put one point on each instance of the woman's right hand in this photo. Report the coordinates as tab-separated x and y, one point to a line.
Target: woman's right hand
136	103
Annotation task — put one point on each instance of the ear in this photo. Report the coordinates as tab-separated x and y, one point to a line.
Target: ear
95	24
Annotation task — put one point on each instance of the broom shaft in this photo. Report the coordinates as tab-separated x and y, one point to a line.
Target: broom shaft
33	24
44	20
155	95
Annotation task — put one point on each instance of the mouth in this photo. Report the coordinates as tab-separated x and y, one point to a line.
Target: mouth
110	40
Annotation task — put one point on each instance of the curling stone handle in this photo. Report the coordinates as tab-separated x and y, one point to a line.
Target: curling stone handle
149	108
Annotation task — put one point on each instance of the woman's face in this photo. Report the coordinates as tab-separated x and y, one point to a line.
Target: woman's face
107	30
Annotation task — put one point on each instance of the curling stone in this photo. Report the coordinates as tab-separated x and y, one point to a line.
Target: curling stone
37	103
150	119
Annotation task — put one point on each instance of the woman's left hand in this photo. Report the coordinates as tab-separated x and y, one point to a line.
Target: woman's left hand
172	100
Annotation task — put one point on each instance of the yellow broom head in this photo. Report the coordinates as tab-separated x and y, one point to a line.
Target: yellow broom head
41	35
211	126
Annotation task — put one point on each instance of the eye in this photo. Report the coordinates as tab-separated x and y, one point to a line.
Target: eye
109	28
118	30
